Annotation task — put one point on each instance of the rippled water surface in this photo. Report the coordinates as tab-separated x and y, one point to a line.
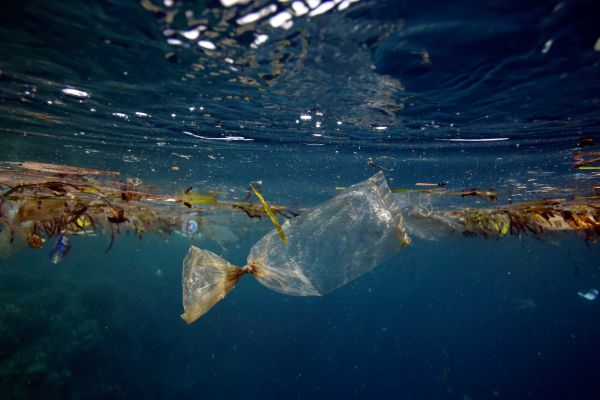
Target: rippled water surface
306	96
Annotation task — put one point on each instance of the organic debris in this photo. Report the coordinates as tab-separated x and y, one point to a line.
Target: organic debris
41	201
584	160
540	219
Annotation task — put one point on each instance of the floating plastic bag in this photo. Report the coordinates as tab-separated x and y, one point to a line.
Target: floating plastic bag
336	242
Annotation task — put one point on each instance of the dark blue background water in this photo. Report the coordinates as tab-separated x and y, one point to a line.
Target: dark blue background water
460	318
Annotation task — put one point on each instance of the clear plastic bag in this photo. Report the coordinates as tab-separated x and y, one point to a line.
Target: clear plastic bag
334	243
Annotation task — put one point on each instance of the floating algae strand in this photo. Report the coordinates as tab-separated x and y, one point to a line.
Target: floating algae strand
308	255
270	214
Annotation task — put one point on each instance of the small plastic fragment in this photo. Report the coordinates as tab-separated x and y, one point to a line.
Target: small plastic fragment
589	295
61	248
190	227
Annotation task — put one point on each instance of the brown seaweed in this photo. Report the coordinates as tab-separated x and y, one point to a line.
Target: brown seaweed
40	201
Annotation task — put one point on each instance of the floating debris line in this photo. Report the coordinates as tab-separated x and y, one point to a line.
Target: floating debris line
308	255
42	201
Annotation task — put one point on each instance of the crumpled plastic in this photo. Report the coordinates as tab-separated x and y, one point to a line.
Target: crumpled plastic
329	246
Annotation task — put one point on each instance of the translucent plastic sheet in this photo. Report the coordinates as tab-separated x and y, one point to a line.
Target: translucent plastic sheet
336	242
208	277
420	218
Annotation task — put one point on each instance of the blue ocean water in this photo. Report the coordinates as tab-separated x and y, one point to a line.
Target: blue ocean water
306	98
